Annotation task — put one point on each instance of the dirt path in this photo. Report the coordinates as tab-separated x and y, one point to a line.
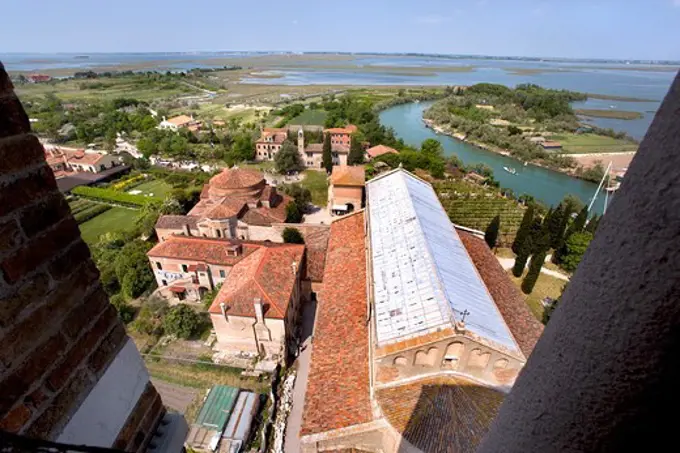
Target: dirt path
174	396
507	263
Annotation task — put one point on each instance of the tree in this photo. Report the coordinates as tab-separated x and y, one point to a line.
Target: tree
591	227
535	266
527	247
524	229
293	213
126	312
575	247
182	321
491	233
132	269
288	158
436	168
292	236
356	152
579	222
327	156
432	148
301	195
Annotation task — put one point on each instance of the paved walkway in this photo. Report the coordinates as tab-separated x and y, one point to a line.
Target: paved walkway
292	441
507	263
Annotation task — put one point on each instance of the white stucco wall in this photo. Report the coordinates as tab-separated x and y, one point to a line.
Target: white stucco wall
102	415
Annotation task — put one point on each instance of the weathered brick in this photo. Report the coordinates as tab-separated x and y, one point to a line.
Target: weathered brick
29	294
130	428
24	336
37	398
47	213
27	190
18	383
107	351
62	407
83	315
64	264
10	235
6	86
36	252
151	421
81	349
20	152
13	118
15	419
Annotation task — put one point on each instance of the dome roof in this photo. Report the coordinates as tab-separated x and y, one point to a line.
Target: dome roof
236	178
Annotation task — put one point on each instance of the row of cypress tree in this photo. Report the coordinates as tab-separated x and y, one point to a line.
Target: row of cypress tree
537	235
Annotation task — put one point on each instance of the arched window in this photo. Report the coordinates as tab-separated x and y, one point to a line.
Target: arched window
452	356
400	361
478	359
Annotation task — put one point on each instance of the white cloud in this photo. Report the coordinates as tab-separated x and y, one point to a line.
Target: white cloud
432	19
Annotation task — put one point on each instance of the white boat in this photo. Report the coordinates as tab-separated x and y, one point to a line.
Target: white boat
510	170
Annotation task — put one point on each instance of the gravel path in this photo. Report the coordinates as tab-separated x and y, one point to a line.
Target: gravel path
174	396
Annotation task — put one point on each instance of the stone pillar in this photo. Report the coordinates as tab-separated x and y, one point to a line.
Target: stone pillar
68	371
604	376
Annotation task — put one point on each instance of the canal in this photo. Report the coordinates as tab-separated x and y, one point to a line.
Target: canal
545	185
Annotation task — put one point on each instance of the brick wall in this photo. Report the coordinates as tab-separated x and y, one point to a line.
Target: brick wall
57	329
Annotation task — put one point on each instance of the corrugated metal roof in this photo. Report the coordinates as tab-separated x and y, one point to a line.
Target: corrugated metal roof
423	277
242	417
217	407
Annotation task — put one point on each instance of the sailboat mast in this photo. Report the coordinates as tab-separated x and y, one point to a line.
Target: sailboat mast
599	187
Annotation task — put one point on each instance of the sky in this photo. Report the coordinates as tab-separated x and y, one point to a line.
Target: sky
641	29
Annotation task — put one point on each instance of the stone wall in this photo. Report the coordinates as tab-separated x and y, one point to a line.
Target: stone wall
59	334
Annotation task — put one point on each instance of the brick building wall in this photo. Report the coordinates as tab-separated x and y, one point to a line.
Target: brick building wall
63	347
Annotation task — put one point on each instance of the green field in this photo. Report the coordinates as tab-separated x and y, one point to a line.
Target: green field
310	117
615	114
157	187
106	89
317	183
546	286
591	143
115	219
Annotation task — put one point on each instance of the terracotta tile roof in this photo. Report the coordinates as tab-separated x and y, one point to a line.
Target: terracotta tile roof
318	148
348	176
338	385
180	120
206	250
316	243
236	178
442	414
522	323
176	222
264	216
229	207
266	274
82	157
379	150
349	129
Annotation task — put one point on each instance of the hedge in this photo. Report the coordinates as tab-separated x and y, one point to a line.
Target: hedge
113	196
128	183
91	213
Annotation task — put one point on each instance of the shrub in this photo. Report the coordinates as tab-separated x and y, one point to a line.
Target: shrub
292	236
150	318
575	246
293	213
113	196
128	183
182	321
126	312
90	213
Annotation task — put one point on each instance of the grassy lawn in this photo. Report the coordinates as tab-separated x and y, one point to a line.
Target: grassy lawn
157	187
115	219
615	114
261	166
546	286
317	183
202	375
591	143
310	117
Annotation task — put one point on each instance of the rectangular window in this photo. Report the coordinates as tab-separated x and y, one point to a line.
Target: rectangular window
222	275
185	268
159	266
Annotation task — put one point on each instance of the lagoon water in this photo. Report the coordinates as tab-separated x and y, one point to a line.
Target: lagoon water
545	185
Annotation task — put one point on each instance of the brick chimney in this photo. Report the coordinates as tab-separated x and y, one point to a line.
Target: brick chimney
68	371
